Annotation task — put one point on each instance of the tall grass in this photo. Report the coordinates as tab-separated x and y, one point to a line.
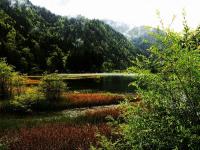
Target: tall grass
56	136
92	99
99	115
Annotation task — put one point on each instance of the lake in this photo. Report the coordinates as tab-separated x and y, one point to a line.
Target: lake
107	82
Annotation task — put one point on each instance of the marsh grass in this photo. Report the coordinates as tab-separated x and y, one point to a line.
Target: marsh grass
55	130
56	136
93	99
50	126
58	129
102	115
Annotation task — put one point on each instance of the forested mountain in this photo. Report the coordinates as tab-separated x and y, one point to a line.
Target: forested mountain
35	40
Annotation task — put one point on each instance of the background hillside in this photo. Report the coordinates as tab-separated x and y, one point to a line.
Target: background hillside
141	37
35	40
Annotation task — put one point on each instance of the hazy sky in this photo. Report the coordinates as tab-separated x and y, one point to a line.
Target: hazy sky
132	12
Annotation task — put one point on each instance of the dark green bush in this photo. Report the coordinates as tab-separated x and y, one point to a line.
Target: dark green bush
52	86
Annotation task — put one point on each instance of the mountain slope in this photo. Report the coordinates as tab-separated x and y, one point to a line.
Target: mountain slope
141	37
35	40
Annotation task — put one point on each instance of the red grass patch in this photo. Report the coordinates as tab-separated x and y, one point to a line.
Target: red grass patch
32	82
101	114
93	99
58	137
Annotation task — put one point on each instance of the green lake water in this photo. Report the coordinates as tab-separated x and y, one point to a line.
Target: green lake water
94	82
108	82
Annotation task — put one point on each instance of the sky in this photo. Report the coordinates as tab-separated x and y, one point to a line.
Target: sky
131	12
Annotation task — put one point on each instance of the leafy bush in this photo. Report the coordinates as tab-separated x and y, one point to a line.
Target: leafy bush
168	116
52	86
6	73
11	82
27	102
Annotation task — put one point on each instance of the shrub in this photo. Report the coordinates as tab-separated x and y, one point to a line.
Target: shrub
52	86
170	117
6	73
27	102
170	114
11	82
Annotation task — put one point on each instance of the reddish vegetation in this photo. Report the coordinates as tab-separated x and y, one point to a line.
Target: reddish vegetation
57	137
101	114
32	82
92	99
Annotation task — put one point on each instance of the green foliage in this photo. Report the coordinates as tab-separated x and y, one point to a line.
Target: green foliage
168	115
27	102
104	144
34	40
11	82
6	74
107	66
57	60
52	86
3	147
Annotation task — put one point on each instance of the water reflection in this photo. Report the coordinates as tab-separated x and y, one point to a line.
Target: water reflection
107	83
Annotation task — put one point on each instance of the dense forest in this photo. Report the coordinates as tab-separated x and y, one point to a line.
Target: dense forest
35	40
